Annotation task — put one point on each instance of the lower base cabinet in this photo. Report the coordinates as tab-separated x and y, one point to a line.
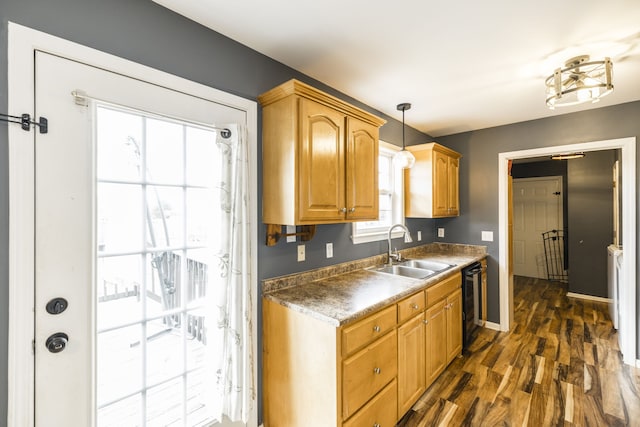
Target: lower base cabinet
411	362
381	411
366	374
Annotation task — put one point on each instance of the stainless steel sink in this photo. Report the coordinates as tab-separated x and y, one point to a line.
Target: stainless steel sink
427	264
403	270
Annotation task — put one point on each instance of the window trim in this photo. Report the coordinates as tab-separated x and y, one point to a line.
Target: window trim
397	201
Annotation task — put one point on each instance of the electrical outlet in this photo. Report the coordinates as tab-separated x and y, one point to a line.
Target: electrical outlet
419	236
329	250
291	229
487	236
301	255
440	232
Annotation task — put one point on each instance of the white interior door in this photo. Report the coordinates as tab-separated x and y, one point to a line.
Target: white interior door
124	223
537	207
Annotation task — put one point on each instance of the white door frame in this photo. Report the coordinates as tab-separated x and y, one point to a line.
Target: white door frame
628	292
22	43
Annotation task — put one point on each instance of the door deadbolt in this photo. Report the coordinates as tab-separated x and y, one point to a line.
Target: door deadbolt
57	342
57	306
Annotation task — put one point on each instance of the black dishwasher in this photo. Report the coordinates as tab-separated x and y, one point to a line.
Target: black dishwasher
471	297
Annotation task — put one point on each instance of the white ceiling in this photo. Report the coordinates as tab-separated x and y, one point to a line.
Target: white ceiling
464	65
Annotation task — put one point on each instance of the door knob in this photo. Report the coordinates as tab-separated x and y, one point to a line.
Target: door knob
57	306
57	342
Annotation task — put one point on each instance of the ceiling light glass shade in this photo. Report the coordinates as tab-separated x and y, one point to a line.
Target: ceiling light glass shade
404	159
580	81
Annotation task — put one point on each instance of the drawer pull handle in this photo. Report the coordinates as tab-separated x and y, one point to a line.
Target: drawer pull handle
376	371
376	328
414	306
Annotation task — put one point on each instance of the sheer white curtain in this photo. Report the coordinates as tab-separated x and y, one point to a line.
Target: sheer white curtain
235	388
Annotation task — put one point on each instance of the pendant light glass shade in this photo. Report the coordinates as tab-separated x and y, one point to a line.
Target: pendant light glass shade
404	159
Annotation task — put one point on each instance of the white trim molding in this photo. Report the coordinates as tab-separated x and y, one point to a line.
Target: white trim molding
588	297
22	44
492	326
628	291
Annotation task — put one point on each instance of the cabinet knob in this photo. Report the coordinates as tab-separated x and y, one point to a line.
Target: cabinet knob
352	210
343	210
425	321
376	371
414	306
376	425
376	328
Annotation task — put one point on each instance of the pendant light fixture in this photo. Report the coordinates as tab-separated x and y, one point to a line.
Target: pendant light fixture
581	80
404	159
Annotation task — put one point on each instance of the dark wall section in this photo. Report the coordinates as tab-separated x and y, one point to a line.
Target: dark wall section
479	169
590	221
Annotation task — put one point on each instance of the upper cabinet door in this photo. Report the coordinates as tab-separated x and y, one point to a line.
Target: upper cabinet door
453	169
322	155
362	170
440	184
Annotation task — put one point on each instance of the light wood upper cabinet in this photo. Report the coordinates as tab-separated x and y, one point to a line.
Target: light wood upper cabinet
432	184
319	156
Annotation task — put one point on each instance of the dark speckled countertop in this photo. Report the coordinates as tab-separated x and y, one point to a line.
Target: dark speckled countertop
346	292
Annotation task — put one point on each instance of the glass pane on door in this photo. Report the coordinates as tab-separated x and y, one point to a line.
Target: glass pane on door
155	213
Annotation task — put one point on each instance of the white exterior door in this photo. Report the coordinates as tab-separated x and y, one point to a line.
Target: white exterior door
537	207
124	220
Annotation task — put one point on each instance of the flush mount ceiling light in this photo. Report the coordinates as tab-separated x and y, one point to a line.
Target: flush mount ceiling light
581	80
567	156
404	159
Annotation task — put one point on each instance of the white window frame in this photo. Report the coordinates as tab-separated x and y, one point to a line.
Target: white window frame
360	235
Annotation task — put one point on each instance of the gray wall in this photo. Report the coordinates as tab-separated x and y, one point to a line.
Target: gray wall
479	175
590	228
151	35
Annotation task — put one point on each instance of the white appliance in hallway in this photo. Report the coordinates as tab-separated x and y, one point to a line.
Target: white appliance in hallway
614	267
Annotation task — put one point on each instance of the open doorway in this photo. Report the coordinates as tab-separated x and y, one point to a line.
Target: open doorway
628	325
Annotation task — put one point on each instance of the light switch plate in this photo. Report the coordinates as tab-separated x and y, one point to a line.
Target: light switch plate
329	250
301	255
440	232
487	236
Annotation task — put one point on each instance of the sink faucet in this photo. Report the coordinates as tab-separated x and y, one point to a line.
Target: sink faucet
407	239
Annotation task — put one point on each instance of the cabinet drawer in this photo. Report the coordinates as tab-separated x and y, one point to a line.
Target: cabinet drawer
380	411
368	371
444	288
367	330
411	306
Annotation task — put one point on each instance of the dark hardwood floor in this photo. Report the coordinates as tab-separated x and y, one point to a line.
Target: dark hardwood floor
559	366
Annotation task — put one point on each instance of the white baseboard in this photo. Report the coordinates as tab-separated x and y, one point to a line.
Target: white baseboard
589	297
491	325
